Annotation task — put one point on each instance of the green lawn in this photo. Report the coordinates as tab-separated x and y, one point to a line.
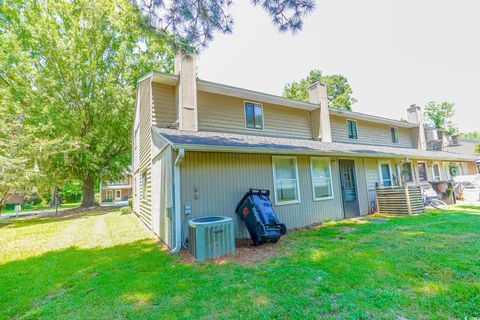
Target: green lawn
107	266
38	208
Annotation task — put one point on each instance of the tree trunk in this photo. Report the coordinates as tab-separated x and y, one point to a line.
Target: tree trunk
2	206
88	192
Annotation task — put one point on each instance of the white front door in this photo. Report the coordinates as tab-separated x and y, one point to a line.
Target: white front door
118	195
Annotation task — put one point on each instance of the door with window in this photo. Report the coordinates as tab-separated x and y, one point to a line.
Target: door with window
348	184
118	195
385	174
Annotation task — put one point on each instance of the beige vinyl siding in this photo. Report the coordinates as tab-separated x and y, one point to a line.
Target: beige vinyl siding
371	173
145	133
162	195
213	183
163	97
369	133
220	113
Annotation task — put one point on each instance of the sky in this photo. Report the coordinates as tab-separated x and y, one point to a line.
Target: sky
394	53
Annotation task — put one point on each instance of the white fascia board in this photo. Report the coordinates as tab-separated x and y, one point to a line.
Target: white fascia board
371	118
246	94
234	149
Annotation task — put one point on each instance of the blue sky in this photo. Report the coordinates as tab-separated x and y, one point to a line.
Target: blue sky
394	53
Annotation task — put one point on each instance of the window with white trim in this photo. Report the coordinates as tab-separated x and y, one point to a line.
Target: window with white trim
253	115
394	134
422	171
352	129
436	171
109	194
285	175
143	190
321	178
385	174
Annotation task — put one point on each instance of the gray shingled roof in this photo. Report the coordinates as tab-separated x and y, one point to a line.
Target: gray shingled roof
242	143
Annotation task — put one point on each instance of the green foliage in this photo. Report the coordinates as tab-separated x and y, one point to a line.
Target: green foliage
338	89
439	115
125	210
72	67
477	148
474	135
110	266
130	202
71	192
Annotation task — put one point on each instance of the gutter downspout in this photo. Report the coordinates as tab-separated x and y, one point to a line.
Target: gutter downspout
177	210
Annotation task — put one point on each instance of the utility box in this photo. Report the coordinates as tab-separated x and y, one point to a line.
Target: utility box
211	237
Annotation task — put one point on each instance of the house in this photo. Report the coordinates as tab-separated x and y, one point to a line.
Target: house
117	191
466	147
198	146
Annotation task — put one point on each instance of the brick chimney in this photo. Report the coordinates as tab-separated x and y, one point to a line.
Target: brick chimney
186	95
414	115
317	94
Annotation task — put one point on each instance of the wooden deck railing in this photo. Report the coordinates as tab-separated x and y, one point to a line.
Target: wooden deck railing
401	200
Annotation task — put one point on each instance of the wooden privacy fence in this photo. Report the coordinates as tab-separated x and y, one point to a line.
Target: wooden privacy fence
402	200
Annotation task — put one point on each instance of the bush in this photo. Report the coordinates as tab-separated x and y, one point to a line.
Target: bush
125	210
130	202
71	192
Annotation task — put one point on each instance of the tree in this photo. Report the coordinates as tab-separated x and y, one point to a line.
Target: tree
338	89
193	22
477	148
17	169
76	64
439	116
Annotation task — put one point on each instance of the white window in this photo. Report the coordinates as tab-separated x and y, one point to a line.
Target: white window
394	134
109	194
143	190
446	170
118	195
253	116
385	172
422	171
436	171
285	176
321	178
352	129
136	149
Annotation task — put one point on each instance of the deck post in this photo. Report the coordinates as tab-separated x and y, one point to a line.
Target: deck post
407	197
377	209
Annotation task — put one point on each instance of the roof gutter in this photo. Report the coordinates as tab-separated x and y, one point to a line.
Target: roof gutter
177	217
234	149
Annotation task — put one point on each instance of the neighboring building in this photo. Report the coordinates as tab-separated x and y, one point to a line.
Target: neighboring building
117	191
466	147
199	146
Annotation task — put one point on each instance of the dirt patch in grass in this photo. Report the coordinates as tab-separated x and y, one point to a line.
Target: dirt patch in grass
245	253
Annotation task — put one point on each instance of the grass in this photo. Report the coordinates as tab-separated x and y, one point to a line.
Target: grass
107	266
39	208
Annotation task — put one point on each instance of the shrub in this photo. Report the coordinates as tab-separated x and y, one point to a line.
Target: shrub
130	202
125	210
